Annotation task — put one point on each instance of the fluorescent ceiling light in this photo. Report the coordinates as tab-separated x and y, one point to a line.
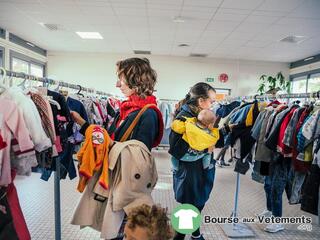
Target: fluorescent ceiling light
30	44
309	58
90	35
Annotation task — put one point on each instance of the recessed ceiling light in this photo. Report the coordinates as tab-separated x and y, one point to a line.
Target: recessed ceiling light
183	45
179	19
198	55
90	35
294	39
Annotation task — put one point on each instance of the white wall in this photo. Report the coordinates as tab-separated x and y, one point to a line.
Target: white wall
175	74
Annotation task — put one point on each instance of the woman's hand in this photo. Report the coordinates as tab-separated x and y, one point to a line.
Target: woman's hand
77	118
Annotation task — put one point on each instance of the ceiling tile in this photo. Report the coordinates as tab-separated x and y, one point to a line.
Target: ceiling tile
30	7
283	5
309	9
197	14
203	3
215	41
163	13
243	4
162	6
216	25
93	3
233	42
261	19
235	11
130	11
229	17
242	35
217	34
252	27
134	21
165	2
96	10
257	44
128	4
269	13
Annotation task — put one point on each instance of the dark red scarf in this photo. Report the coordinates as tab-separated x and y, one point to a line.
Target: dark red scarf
135	103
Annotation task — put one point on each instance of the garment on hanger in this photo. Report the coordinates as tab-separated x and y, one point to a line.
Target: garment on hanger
286	145
225	109
13	125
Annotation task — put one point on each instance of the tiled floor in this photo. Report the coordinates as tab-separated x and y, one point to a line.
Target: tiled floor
37	201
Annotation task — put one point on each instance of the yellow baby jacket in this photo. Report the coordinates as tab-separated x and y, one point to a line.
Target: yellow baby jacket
196	137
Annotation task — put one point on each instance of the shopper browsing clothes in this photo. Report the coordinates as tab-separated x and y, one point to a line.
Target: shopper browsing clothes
199	134
192	181
136	81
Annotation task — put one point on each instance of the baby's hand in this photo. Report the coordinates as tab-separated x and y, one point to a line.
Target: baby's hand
210	149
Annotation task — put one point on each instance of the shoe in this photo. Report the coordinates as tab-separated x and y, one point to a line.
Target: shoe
225	164
265	213
200	237
273	228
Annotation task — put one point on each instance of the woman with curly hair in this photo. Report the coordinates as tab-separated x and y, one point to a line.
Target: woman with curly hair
136	80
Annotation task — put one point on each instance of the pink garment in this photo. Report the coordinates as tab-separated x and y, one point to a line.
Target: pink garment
13	124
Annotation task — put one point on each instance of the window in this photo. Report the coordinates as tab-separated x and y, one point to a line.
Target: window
36	70
314	83
27	65
1	57
306	84
299	85
19	65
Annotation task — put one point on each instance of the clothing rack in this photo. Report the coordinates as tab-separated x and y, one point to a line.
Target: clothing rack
57	200
168	100
50	81
277	96
240	230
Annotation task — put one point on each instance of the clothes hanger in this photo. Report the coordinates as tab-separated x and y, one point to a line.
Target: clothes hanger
79	92
22	85
2	83
58	87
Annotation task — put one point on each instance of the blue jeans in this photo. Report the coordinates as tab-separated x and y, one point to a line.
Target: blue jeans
298	180
282	179
267	189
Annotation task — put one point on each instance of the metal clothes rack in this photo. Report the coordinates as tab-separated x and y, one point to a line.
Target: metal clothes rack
168	100
277	96
51	81
240	230
57	200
